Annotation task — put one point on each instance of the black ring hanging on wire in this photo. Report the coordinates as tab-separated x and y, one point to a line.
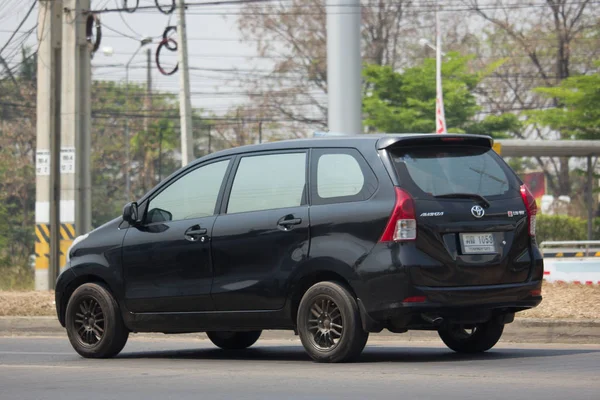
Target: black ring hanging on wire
165	10
165	36
171	45
93	19
130	10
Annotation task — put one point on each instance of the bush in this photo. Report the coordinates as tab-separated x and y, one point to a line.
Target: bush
560	227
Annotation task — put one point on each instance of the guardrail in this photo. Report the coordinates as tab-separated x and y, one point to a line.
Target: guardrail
570	248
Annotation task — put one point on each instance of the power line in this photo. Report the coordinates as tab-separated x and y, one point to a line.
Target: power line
18	27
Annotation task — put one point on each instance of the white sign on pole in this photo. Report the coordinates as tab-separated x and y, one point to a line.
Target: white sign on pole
67	160
42	162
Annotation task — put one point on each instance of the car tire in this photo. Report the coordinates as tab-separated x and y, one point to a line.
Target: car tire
329	324
481	338
234	340
94	324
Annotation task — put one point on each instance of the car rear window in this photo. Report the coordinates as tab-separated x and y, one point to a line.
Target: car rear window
438	170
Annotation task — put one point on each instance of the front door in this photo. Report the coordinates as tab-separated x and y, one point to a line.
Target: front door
262	233
166	260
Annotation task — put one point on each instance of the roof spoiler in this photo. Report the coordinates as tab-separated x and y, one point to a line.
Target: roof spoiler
434	139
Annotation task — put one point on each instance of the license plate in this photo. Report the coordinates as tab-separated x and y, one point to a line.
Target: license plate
477	243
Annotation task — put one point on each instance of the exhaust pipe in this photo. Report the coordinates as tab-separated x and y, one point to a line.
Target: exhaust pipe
436	321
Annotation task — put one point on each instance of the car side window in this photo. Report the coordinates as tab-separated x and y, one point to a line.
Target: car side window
194	195
339	176
266	182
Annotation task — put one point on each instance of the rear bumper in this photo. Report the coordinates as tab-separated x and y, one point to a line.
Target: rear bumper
472	304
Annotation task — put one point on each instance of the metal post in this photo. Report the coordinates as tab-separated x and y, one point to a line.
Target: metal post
344	66
590	198
47	205
148	105
185	104
143	42
209	139
260	132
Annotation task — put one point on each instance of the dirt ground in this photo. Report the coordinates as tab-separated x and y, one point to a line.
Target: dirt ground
560	301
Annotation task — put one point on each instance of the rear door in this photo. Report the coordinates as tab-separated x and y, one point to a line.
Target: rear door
470	214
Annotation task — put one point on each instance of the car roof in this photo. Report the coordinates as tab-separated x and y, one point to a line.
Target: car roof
379	140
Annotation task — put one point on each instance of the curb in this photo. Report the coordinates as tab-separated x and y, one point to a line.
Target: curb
524	330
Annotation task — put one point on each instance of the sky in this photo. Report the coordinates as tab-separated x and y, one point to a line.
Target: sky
213	43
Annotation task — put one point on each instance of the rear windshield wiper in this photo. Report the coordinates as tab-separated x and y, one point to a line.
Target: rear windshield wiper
477	197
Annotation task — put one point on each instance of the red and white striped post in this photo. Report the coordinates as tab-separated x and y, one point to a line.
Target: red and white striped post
440	116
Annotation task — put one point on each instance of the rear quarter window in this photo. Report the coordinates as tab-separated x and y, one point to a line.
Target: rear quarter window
438	170
340	176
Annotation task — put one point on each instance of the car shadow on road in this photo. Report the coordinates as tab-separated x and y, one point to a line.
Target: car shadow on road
371	354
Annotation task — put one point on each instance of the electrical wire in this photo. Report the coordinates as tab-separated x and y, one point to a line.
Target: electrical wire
18	27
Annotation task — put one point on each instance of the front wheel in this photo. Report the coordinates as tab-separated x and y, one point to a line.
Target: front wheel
329	324
475	339
94	324
234	340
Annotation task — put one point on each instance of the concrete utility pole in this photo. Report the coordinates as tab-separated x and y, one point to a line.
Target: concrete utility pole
344	66
185	104
47	182
76	113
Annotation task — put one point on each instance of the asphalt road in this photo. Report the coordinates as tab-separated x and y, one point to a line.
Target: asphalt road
188	368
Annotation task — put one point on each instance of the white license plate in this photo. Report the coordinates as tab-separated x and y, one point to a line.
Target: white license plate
477	243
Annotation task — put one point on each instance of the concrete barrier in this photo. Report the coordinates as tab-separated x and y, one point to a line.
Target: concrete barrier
583	270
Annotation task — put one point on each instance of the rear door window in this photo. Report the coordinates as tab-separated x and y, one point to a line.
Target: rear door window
267	182
439	170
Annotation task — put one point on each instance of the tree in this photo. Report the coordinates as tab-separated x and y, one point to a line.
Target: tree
577	115
546	43
293	35
404	102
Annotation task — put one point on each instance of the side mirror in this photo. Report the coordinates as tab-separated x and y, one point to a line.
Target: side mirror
130	213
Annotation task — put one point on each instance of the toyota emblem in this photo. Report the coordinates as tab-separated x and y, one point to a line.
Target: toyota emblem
477	211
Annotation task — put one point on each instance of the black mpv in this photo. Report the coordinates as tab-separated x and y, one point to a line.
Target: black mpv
331	237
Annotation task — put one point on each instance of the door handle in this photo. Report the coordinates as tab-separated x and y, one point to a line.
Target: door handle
194	233
286	224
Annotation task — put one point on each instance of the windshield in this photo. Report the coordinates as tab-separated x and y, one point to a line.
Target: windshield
444	170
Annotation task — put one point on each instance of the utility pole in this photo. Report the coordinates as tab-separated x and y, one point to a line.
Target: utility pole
344	66
47	182
76	207
185	104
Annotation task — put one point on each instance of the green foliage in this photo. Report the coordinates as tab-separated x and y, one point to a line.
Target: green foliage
560	227
404	102
577	115
28	68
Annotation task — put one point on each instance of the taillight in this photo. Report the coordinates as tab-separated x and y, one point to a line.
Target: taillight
530	207
402	225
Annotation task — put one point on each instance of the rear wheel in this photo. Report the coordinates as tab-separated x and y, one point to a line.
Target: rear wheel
234	340
329	324
475	339
94	324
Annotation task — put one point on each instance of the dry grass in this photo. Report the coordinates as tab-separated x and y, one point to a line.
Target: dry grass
27	303
567	301
560	301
